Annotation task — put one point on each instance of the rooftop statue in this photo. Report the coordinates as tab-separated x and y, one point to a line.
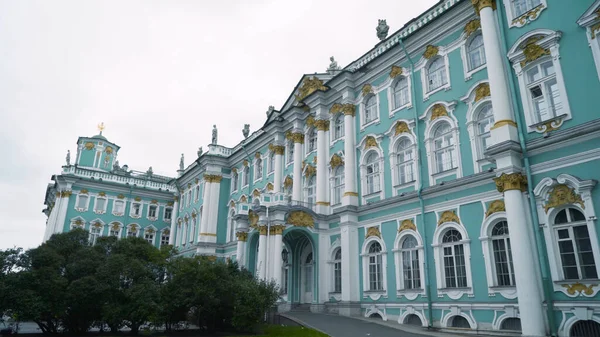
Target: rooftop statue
214	135
68	157
333	66
199	151
150	172
382	30
181	163
246	130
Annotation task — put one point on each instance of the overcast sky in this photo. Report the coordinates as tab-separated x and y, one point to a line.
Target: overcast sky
159	74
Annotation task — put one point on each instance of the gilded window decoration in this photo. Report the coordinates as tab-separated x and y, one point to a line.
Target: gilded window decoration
310	121
532	50
243	199
89	146
108	150
563	195
472	26
300	219
407	224
288	182
310	171
367	89
336	161
438	110
309	86
395	72
270	187
482	91
232	203
138	199
83	191
431	51
448	216
373	231
495	207
370	142
401	127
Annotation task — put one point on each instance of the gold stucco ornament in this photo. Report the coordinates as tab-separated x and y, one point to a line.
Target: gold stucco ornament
277	149
232	203
242	236
138	199
108	150
532	50
370	142
395	72
296	137
115	226
269	187
563	195
373	231
431	51
478	5
472	26
310	171
288	182
120	196
367	89
322	124
83	191
256	193
252	219
448	216
310	121
89	146
495	207
243	199
300	219
407	224
401	127
309	86
438	110
482	91
336	161
578	288
213	178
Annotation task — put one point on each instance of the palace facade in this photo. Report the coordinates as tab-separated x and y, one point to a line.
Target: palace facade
446	178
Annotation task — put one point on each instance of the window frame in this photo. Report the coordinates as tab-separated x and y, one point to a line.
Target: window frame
338	135
590	20
150	230
245	176
337	173
374	294
289	152
155	217
486	238
438	251
131	208
124	204
308	187
270	163
234	181
87	202
465	54
424	69
103	210
311	138
524	18
335	266
548	41
363	109
164	232
170	208
401	290
258	169
130	228
93	237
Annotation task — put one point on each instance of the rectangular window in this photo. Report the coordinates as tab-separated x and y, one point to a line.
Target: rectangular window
576	249
94	234
100	204
149	237
114	232
504	265
375	272
82	203
119	207
136	209
164	239
131	233
520	7
337	277
168	213
152	211
454	267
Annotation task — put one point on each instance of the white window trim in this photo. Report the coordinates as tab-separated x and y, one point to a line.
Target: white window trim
245	181
100	211
375	294
148	212
307	133
193	228
87	204
394	139
235	181
587	21
102	225
255	165
138	228
270	168
458	311
131	214
124	201
363	169
119	224
73	225
479	159
154	234
516	56
389	85
230	223
162	232
488	253
305	190
542	194
410	294
525	18
197	192
332	119
332	185
423	66
363	106
438	255
165	213
430	127
289	160
464	53
331	264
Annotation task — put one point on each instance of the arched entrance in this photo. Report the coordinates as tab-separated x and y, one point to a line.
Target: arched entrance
302	279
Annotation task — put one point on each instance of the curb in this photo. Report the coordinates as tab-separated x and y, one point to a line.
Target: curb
304	324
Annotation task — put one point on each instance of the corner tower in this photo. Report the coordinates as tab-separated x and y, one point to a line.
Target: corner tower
96	152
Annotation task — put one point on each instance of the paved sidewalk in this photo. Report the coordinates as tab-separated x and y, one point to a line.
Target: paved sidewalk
341	326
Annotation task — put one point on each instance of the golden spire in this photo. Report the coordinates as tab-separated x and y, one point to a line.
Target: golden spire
101	127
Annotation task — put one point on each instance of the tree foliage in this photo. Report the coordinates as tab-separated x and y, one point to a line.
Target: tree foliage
66	285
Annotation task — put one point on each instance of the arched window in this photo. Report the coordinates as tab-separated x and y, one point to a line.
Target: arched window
404	161
234	181
413	319
513	323
311	191
132	231
337	271
476	52
455	273
372	173
411	273
338	131
290	151
149	235
245	176
375	267
370	109
459	322
258	168
338	184
503	262
444	148
485	121
574	245
436	74
312	140
197	192
585	328
192	230
271	165
401	93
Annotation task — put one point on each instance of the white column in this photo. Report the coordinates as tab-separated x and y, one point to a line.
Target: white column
529	295
215	189
62	212
262	252
242	238
278	175
205	210
350	256
174	211
324	268
298	139
322	156
496	74
351	193
179	233
51	224
277	235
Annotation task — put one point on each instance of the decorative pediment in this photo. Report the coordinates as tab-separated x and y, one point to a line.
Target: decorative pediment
115	226
448	216
563	195
309	86
232	203
370	141
431	51
532	50
336	161
395	72
367	89
373	231
472	26
401	127
407	224
495	207
300	219
482	91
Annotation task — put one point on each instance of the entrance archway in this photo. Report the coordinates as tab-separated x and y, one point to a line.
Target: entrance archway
303	272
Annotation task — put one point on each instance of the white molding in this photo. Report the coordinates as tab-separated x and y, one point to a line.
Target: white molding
374	295
401	291
438	254
587	21
363	167
389	85
567	161
523	19
87	203
394	139
464	55
423	66
457	311
362	107
474	108
103	210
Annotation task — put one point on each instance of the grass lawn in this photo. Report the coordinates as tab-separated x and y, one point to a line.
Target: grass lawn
289	331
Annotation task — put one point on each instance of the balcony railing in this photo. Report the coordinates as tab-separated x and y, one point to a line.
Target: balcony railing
132	179
219	150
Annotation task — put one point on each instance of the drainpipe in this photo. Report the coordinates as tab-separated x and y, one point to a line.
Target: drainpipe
539	240
420	190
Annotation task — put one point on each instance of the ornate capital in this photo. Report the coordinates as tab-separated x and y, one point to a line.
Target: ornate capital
563	195
65	194
242	236
296	137
512	181
263	230
349	109
478	5
245	162
322	125
431	51
212	178
310	121
373	231
278	229
495	207
277	149
407	224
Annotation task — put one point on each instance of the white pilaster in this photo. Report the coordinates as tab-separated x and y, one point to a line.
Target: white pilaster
298	139
51	224
525	263
350	261
277	247
351	193
211	228
278	171
323	267
174	211
62	212
262	252
322	156
506	129
242	238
